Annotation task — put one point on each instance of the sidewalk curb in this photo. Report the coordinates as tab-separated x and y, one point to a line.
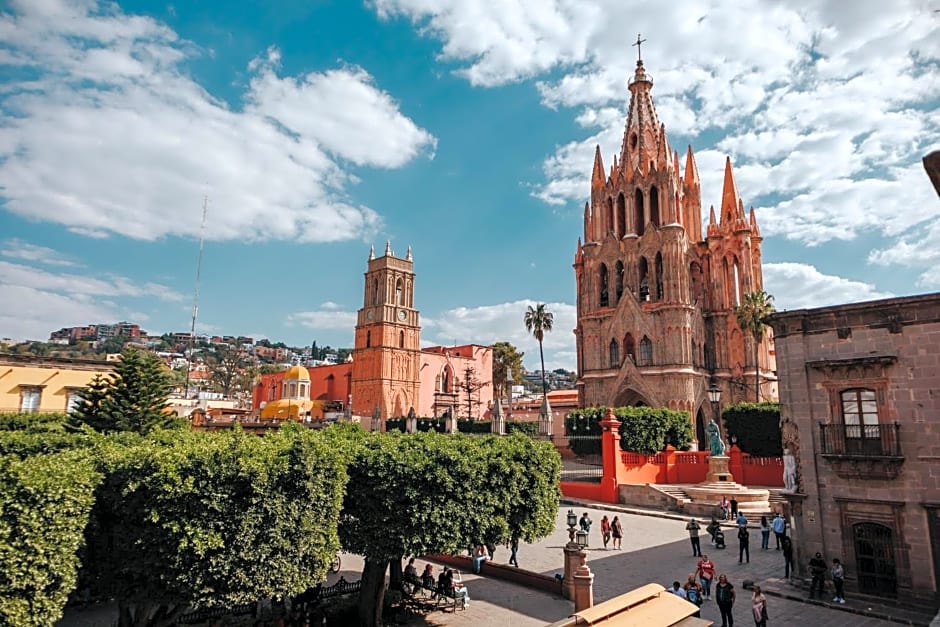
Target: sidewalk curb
790	596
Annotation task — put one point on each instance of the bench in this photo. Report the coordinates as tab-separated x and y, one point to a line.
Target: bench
448	598
311	597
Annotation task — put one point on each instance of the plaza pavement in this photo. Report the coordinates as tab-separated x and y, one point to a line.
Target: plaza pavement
656	549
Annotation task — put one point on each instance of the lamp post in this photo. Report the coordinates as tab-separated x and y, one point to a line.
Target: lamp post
714	395
508	393
572	520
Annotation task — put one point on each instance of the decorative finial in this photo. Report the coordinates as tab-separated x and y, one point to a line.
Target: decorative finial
639	53
371	252
388	248
408	254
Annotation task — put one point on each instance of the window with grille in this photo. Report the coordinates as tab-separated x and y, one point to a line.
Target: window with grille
860	418
614	354
646	352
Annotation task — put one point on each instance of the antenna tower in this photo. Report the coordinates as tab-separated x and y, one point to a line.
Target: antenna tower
192	328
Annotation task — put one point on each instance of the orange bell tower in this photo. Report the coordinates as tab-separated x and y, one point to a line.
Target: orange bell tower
386	354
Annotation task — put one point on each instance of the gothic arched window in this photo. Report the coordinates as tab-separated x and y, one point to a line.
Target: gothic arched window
659	276
639	214
614	354
646	352
610	216
621	216
695	274
629	346
604	298
643	270
654	205
619	279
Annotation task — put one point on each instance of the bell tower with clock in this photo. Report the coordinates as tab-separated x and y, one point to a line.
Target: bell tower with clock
386	354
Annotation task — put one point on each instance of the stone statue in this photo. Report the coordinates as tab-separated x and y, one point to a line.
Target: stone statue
714	439
789	471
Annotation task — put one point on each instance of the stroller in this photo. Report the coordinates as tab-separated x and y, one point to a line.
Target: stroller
719	538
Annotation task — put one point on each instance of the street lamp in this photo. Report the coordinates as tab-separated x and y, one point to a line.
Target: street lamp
714	395
572	522
508	393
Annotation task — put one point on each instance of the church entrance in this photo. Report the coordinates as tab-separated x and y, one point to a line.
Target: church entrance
700	430
629	398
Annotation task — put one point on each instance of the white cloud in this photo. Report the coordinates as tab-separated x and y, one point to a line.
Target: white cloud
34	301
109	135
488	324
917	249
328	317
18	249
826	112
798	286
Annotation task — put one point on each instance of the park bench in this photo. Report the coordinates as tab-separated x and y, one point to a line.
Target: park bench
311	597
448	598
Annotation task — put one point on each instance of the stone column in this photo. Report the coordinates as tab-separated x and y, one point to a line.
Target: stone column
583	585
573	554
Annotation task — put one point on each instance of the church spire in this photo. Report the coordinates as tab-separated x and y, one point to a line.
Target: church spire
371	252
755	231
691	170
729	195
641	135
388	248
597	179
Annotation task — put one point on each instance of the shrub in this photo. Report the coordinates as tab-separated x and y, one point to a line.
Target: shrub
642	429
756	427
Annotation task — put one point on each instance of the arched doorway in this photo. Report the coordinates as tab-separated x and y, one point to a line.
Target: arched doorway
700	430
874	559
630	398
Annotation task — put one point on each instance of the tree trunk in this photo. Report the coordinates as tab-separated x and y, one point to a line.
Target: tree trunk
394	574
542	357
757	341
372	592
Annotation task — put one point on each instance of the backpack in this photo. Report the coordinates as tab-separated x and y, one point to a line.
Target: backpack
693	596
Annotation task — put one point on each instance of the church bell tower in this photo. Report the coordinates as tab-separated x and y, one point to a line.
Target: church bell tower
385	376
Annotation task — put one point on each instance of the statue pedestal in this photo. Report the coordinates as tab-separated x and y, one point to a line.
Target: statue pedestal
720	483
718	469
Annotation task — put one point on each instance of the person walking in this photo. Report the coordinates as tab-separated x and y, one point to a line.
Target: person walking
585	524
734	507
764	533
605	531
706	572
744	542
779	526
759	607
787	556
740	520
838	581
616	531
514	552
817	568
692	526
724	597
693	591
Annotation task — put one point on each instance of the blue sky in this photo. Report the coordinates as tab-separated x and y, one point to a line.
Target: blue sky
465	129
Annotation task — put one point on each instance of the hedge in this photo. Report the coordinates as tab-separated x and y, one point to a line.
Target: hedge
642	429
756	427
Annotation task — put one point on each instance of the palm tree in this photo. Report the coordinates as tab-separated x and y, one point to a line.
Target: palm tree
752	316
538	322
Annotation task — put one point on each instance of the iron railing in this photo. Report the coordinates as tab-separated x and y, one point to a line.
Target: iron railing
860	440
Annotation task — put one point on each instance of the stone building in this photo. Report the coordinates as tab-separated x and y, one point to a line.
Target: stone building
860	410
655	295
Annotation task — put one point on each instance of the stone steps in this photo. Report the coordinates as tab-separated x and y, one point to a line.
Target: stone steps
676	492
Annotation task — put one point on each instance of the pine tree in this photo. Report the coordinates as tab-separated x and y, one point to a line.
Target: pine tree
133	398
88	409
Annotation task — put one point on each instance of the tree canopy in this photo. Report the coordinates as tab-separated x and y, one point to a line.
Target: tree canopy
44	505
507	364
642	429
190	518
411	494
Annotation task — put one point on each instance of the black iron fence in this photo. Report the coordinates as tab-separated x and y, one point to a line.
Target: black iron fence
862	440
581	458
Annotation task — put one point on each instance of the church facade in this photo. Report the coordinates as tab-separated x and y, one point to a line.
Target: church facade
655	294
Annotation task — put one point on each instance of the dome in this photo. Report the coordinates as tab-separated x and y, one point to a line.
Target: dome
297	373
289	409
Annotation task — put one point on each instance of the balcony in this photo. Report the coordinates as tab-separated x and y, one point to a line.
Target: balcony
862	451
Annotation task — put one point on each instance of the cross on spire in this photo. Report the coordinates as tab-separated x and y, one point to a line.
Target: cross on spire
639	53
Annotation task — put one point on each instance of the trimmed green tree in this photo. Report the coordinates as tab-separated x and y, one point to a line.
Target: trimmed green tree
642	429
132	398
507	360
755	427
197	519
44	506
412	494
